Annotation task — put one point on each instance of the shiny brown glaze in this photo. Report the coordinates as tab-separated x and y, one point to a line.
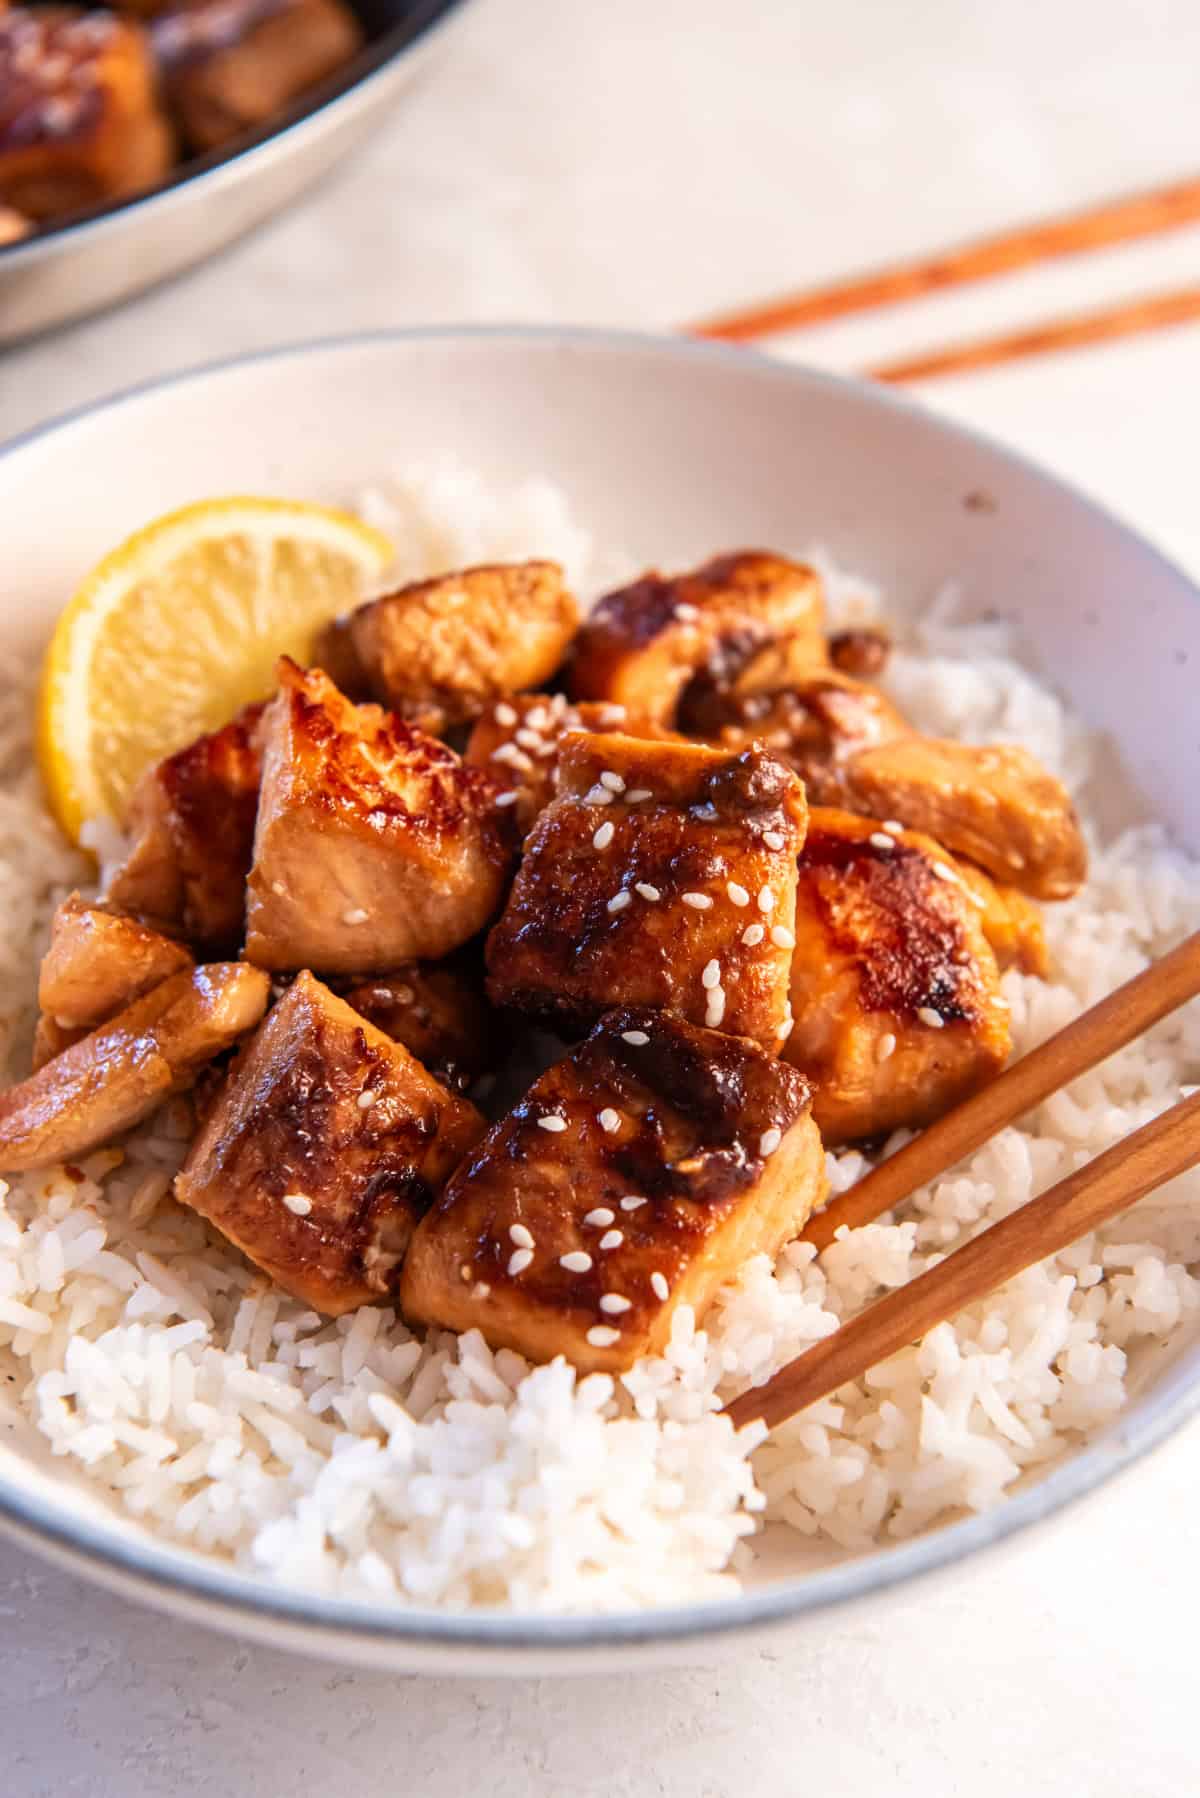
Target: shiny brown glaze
642	645
80	122
517	741
996	806
708	820
374	845
113	1078
289	1122
441	651
711	1135
440	1015
895	989
97	963
191	824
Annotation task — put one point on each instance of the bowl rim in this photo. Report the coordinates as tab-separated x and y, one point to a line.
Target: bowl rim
232	1599
215	169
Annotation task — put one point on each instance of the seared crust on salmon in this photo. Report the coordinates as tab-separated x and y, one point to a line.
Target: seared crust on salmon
374	845
441	651
664	875
635	1176
327	1143
643	644
895	990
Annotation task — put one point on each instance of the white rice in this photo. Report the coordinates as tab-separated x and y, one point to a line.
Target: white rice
352	1458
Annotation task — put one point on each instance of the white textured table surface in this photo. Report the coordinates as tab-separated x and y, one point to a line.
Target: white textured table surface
637	163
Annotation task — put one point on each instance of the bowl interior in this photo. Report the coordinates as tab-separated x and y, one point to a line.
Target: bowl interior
667	452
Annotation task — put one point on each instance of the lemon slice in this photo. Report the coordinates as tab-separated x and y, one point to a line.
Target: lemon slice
179	627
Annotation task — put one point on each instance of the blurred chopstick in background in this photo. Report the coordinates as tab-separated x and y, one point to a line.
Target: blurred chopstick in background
1115	222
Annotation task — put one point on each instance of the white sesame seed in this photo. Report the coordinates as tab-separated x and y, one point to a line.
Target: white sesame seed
945	873
356	916
766	899
530	739
600	1336
879	839
366	1100
538	718
552	1122
753	933
687	612
893	826
715	1011
618	902
481	1290
612	781
635	1038
647	891
597	796
612	1239
505	714
774	839
298	1202
769	1141
603	837
612	714
929	1016
507	798
886	1046
518	1234
712	974
609	1120
518	1261
637	795
278	888
785	1029
577	1262
782	937
513	757
697	901
614	1303
600	1216
737	893
632	1203
659	1287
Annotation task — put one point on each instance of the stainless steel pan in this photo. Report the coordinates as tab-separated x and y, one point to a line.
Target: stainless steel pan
108	255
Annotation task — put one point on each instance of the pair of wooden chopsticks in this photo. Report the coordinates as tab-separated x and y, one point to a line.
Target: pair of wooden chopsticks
1101	227
1156	1153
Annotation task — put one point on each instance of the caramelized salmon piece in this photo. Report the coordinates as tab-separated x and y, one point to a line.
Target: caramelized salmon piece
895	990
643	645
814	718
635	1176
97	963
191	824
996	806
80	122
662	875
1011	923
326	1145
517	741
438	1012
374	845
231	65
112	1079
441	651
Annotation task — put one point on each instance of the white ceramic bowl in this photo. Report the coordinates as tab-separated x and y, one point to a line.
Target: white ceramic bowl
668	450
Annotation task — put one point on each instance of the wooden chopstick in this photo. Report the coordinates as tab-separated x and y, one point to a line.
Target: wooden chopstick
1164	986
1098	227
1131	318
1168	1146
